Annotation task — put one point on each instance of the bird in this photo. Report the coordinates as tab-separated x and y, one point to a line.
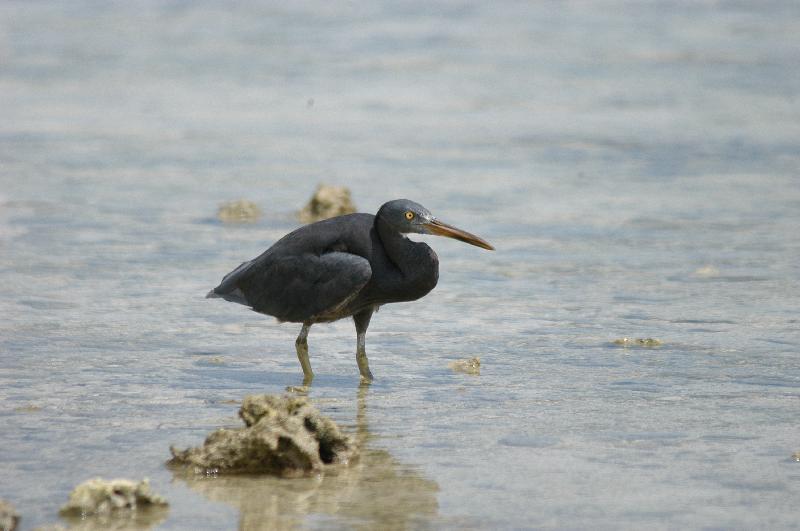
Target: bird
346	266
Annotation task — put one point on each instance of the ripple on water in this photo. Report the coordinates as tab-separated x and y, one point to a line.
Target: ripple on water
529	441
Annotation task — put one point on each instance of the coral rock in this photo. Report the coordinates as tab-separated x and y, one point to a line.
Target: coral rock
647	342
327	202
284	436
98	496
468	366
9	518
241	211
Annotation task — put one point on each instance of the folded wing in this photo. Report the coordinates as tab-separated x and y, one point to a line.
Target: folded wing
297	287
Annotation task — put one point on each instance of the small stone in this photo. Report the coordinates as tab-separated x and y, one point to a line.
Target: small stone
468	366
239	211
100	497
707	271
327	202
796	457
647	342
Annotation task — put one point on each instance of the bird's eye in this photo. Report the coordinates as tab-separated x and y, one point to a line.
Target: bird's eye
409	215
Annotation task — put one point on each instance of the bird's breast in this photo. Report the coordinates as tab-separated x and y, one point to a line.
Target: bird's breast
403	276
421	275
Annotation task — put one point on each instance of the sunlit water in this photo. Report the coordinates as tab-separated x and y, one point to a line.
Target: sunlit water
635	164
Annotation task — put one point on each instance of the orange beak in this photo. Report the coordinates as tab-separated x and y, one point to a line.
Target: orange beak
443	229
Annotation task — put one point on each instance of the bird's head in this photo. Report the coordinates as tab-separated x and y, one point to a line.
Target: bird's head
406	216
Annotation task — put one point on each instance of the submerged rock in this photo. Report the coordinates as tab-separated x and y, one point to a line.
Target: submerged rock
647	342
240	211
468	366
284	436
100	497
707	271
30	408
9	517
327	202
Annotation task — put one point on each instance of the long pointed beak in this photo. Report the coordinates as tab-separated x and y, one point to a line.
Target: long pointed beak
443	229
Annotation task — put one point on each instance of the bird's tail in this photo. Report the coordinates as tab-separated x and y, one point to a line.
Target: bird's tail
228	289
233	296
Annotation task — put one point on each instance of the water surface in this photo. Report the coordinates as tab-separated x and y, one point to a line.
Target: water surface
635	164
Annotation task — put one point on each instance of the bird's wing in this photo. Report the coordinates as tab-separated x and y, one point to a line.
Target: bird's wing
301	287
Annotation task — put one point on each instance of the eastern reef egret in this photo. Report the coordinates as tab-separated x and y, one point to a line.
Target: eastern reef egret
341	267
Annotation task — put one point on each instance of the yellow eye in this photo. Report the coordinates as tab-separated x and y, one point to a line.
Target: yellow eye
409	215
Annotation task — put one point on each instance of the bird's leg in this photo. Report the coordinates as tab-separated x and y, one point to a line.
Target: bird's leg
362	323
301	345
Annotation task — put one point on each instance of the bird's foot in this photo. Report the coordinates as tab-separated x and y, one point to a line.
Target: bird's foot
363	366
302	354
301	390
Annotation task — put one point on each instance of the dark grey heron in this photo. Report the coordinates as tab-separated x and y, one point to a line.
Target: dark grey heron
341	267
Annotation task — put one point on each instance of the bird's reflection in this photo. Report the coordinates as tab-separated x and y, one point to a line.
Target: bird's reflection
374	492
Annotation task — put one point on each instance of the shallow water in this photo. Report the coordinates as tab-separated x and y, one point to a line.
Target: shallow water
635	164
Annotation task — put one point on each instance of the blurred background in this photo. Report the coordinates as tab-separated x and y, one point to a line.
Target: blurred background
635	164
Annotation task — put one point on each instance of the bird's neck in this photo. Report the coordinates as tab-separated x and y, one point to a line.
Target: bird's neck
404	253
